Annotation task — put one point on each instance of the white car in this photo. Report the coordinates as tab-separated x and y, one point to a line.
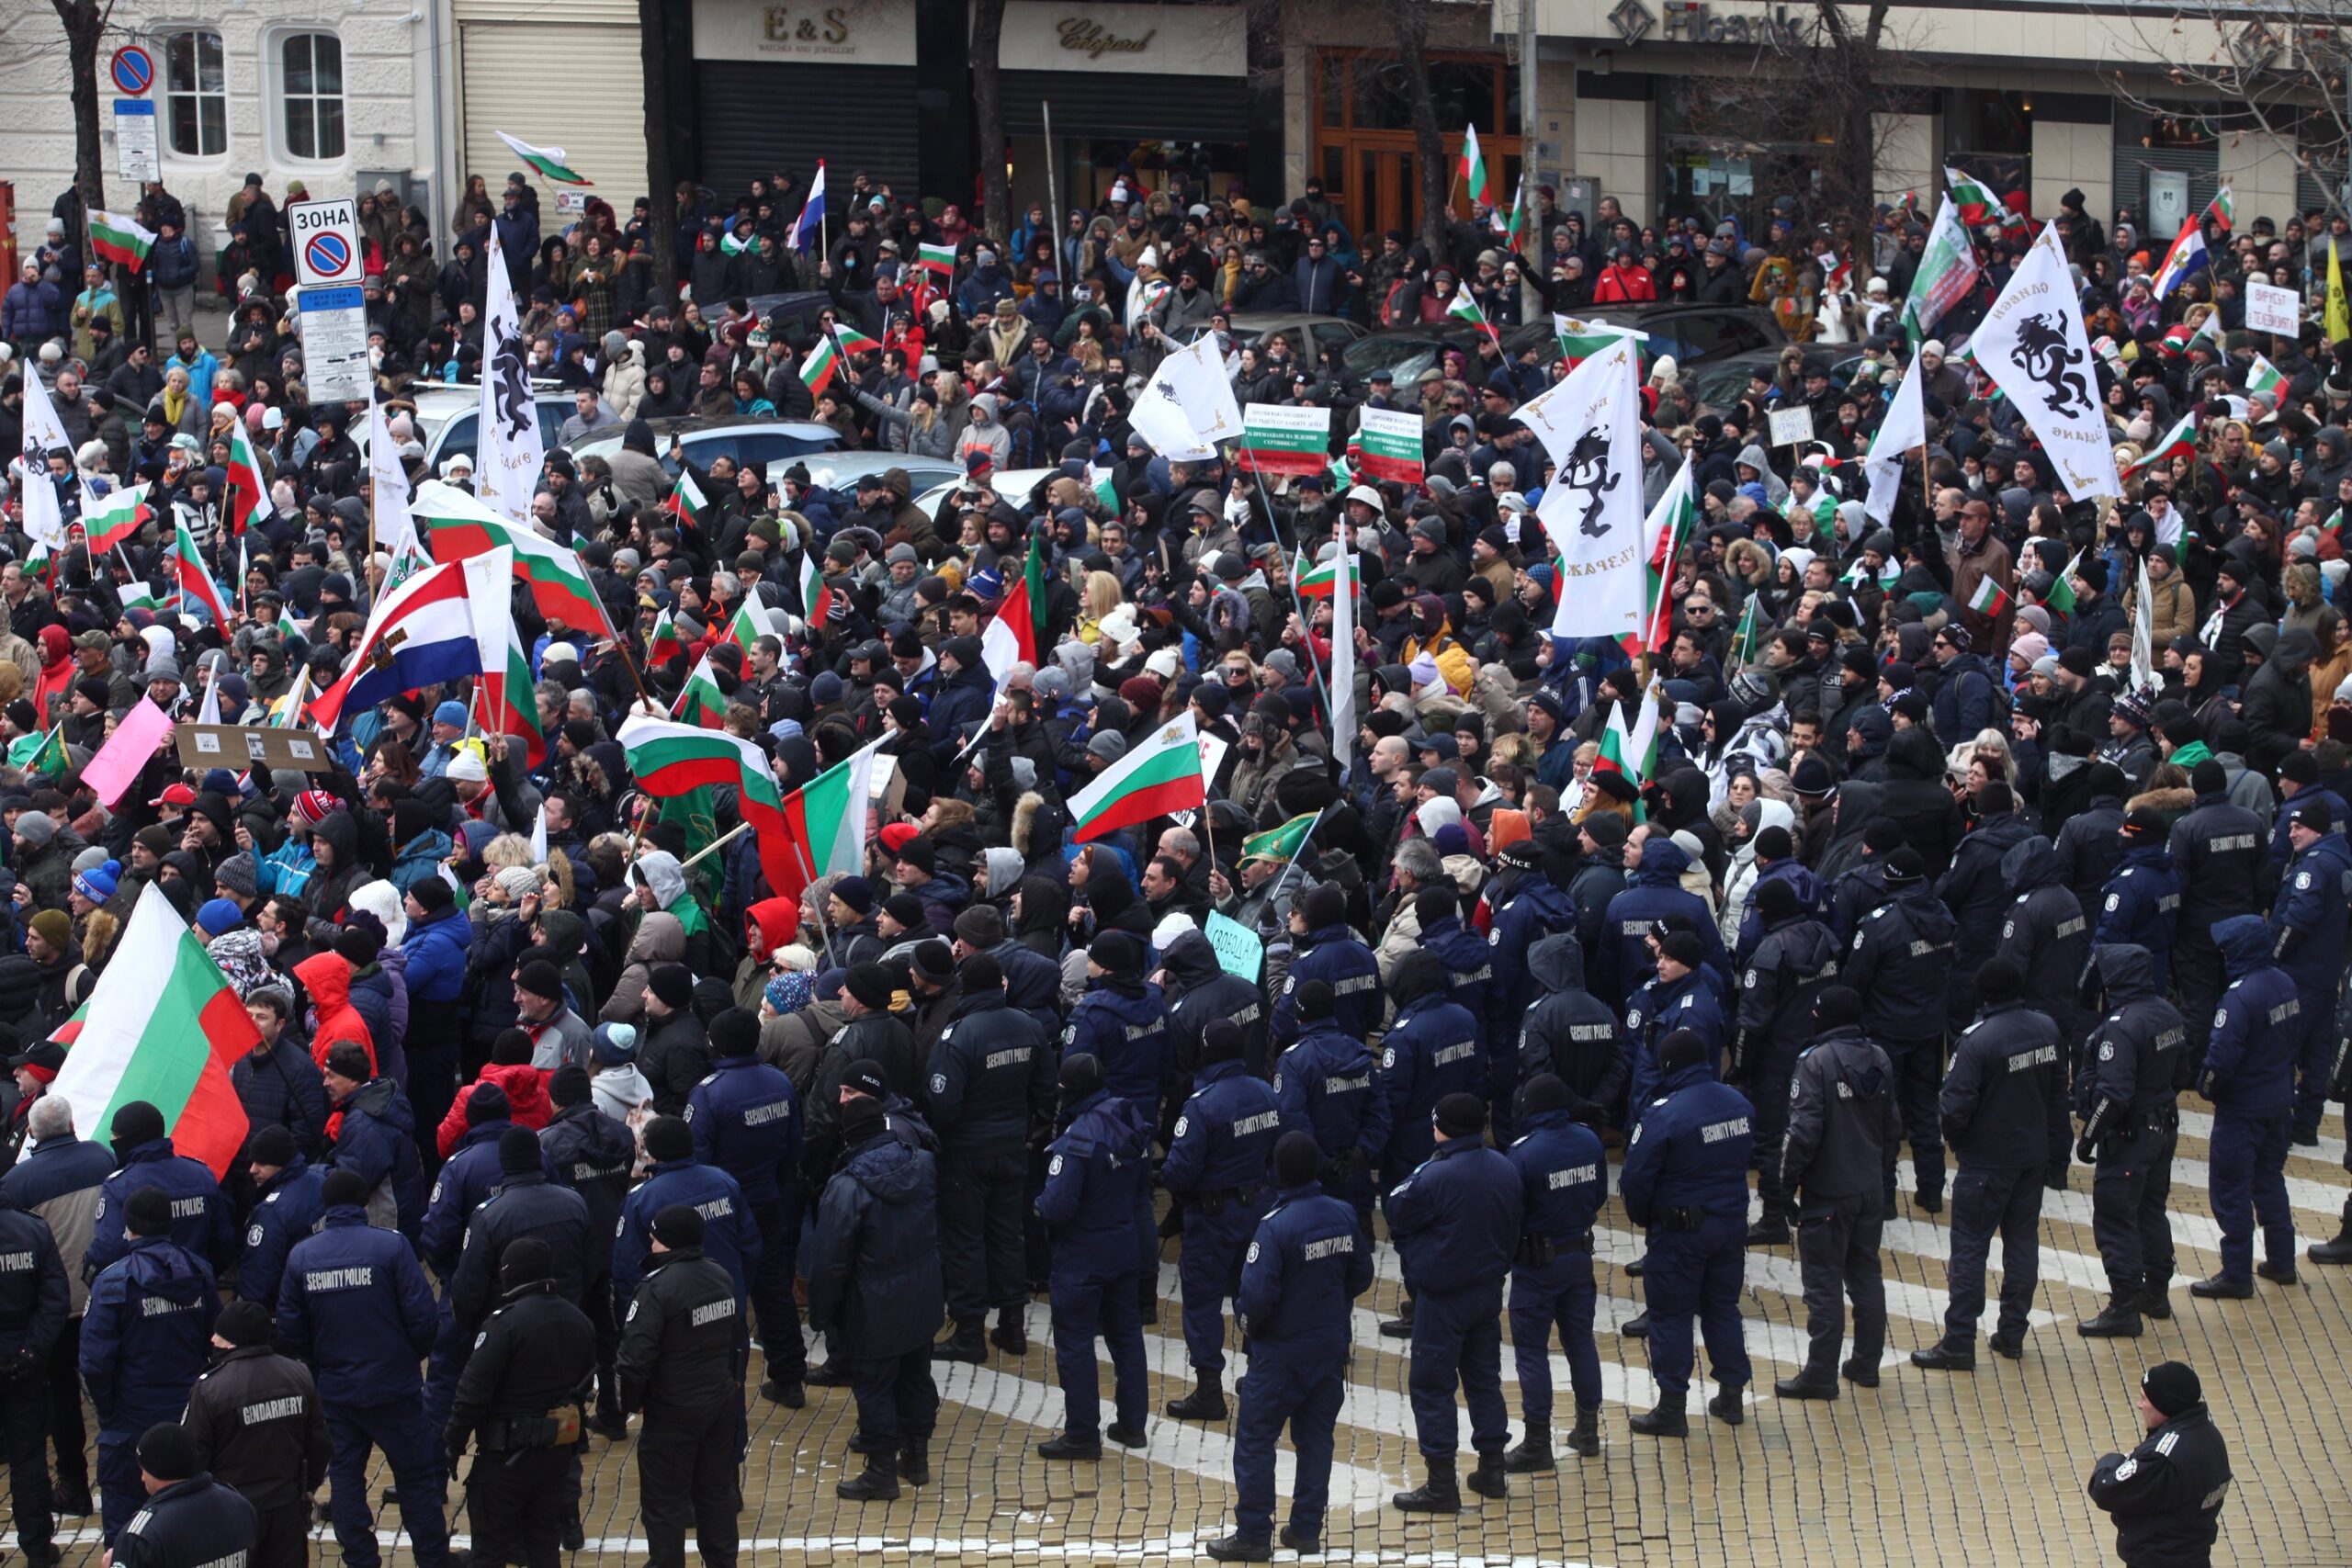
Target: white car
1012	484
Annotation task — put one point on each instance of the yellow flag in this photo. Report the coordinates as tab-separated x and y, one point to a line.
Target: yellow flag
2339	314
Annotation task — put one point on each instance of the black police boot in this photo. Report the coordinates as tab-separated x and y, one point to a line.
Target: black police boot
2221	1287
69	1499
1239	1548
1533	1457
1401	1325
2155	1299
791	1395
914	1462
968	1343
877	1483
1304	1545
2336	1251
1802	1386
1206	1403
1064	1446
1772	1230
2119	1321
1492	1477
833	1373
574	1536
1725	1407
1125	1436
1667	1420
1929	1200
1439	1494
1636	1326
1011	1334
2012	1345
1946	1356
2277	1273
42	1556
1861	1373
1634	1269
1584	1438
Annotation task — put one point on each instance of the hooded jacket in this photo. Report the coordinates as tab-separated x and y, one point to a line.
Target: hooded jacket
1914	796
1654	892
327	978
2250	1060
874	1279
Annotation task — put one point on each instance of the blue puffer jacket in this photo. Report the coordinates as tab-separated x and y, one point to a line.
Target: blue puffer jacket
147	1334
435	949
873	1284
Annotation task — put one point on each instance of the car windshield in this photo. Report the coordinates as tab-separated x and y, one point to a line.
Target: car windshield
1403	358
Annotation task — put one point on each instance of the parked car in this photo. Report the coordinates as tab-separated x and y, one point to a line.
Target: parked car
1309	335
1694	335
747	438
446	416
1722	382
793	313
1012	484
842	470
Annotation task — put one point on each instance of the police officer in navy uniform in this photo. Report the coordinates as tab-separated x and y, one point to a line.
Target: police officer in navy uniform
2249	1075
746	1120
1901	951
593	1155
731	1238
1685	1181
289	1201
2166	1496
1680	995
189	1519
2308	927
989	1081
355	1305
145	1340
1526	908
1308	1261
1201	991
680	1363
203	1219
2004	1112
526	1204
1216	1173
523	1401
1795	957
1093	1174
1564	1179
874	1288
1430	1051
1469	966
2222	852
2134	1062
2140	904
463	1183
1456	1222
1122	1023
1325	1083
1571	1034
2044	933
34	1301
258	1427
1841	1121
1329	951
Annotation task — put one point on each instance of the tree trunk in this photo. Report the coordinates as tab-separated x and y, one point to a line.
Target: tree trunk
661	176
85	26
1411	22
987	109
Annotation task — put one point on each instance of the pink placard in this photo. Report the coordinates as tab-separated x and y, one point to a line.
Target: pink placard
126	752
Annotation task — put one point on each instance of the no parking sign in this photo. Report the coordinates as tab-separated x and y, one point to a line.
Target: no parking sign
326	239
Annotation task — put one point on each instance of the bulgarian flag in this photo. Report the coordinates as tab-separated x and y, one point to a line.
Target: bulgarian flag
940	259
2180	441
286	626
1515	229
1017	632
1979	205
164	1026
194	579
119	238
2061	597
671	759
1671	524
2222	209
826	357
2263	380
686	501
816	596
1743	637
1473	169
1159	775
664	644
747	628
1278	439
1389	445
1321	580
825	824
1990	598
1464	308
246	498
1632	754
702	703
507	702
1580	339
456	526
1103	483
547	162
115	517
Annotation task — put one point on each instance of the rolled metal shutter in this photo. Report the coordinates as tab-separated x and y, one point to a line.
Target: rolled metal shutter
762	117
577	84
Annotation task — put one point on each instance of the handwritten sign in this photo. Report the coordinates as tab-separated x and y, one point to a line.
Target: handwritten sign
1238	950
1792	426
2269	308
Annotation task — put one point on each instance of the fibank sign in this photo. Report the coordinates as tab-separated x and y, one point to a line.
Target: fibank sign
1695	21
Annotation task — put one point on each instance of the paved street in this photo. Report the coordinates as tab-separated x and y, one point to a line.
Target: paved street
1982	1468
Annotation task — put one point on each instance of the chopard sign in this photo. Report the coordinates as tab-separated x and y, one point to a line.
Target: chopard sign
1091	39
1695	21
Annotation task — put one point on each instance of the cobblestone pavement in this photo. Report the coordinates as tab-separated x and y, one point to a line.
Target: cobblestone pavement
1978	1467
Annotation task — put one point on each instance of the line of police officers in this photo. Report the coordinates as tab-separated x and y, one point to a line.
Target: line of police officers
1835	1032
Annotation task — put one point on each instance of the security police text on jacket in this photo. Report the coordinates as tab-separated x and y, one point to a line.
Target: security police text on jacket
526	1204
1430	1051
1654	893
2004	1101
745	1115
2140	905
991	1077
1122	1021
1328	950
1681	995
2044	932
1203	991
365	1285
1690	1160
1900	953
203	1221
2166	1496
146	1334
1325	1083
257	1420
1572	1034
731	1238
1215	1172
292	1199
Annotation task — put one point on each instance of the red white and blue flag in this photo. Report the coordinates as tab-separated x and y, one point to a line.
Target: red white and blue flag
810	224
2187	255
422	634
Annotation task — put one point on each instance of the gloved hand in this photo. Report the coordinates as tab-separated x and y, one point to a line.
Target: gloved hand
455	1443
2086	1151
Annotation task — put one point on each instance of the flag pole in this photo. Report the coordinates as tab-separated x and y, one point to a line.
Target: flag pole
1305	625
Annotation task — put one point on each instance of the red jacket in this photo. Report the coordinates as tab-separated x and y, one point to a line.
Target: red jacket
527	1091
327	978
1623	285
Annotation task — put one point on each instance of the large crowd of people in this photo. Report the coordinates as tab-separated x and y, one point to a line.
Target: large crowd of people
1989	832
